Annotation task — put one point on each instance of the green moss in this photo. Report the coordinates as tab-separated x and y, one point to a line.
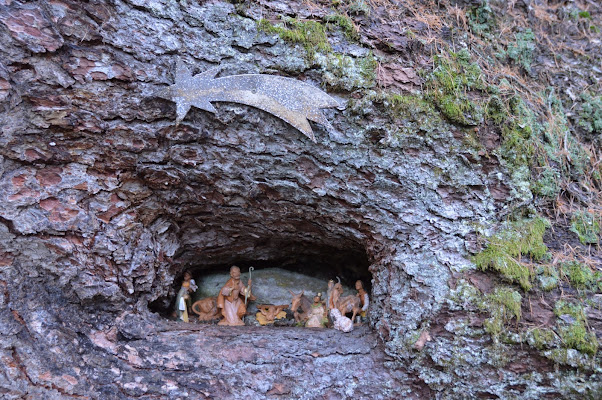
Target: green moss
496	110
521	238
563	307
563	152
586	226
408	105
368	65
503	304
579	275
585	14
447	86
576	336
310	34
459	110
345	23
518	133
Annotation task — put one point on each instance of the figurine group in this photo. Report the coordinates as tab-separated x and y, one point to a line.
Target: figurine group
230	305
315	315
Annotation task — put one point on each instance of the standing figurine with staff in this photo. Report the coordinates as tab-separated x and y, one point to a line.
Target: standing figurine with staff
230	299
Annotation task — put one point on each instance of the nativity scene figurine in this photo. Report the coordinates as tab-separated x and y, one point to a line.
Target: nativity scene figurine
268	313
364	300
206	309
317	315
183	301
233	298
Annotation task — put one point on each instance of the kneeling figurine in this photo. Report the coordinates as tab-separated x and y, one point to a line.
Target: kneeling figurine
317	315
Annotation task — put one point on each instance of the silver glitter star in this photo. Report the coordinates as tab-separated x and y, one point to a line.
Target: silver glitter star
293	101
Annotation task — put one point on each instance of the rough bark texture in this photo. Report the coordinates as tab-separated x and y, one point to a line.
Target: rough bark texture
105	202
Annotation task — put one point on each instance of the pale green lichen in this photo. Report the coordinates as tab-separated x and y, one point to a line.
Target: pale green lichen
547	277
347	72
590	113
463	295
540	338
481	19
522	49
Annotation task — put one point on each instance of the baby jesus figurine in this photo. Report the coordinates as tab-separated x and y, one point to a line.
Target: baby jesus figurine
231	300
268	313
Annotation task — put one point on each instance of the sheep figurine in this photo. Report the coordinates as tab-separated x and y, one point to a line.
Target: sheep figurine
341	322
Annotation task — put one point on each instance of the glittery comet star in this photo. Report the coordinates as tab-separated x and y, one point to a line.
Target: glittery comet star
293	101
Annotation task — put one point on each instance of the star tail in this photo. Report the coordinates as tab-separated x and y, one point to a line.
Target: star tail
204	104
316	115
325	101
300	122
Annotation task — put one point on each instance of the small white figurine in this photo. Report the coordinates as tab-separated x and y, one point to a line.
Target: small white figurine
341	322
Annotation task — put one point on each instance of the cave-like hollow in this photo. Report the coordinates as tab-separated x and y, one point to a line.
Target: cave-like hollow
314	256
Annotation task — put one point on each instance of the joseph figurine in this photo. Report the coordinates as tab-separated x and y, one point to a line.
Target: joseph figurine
230	300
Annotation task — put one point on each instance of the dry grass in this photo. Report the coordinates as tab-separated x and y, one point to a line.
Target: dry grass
542	12
460	15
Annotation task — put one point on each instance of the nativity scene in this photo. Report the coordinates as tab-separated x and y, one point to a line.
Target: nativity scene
234	303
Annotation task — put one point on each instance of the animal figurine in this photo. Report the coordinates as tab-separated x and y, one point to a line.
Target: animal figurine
206	309
300	301
347	304
268	313
341	322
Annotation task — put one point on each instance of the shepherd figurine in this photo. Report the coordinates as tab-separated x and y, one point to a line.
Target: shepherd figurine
230	299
